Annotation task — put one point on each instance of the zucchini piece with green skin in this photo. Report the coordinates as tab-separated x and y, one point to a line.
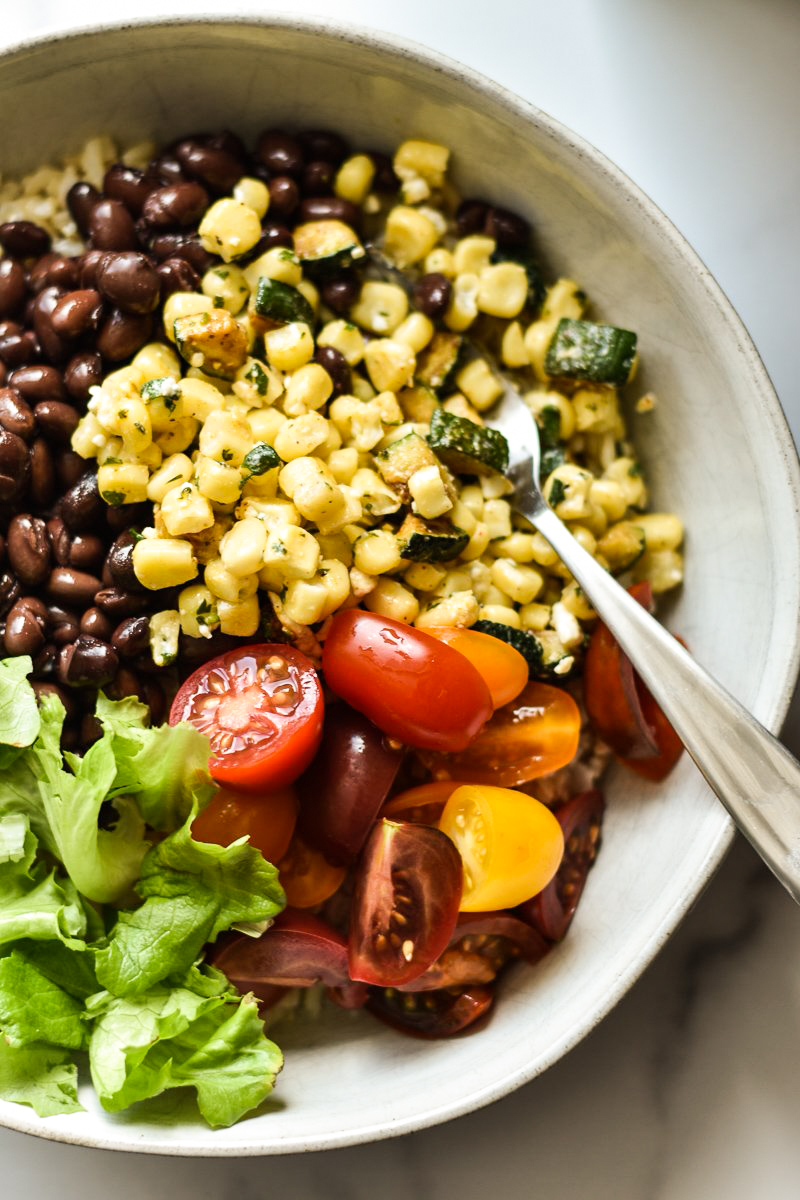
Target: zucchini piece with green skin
430	541
437	364
212	341
326	246
281	303
398	462
553	448
167	389
467	448
536	285
537	652
584	350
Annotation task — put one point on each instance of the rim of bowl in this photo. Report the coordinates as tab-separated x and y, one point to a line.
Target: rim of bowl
773	708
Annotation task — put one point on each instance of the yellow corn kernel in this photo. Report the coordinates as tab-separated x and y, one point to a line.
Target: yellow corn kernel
410	235
289	347
380	307
424	577
336	545
312	488
254	194
503	289
519	547
197	609
89	436
463	307
346	338
376	552
512	346
240	619
563	299
596	411
229	229
183	304
354	178
165	629
178	436
389	598
522	583
279	263
376	497
627	473
538	337
335	579
534	617
416	331
304	601
219	482
242	548
501	614
477	544
428	492
156	361
163	562
133	422
358	424
225	585
440	262
390	365
343	463
497	518
292	552
308	390
479	384
567	489
174	471
662	568
265	423
184	510
275	512
473	253
608	496
301	436
460	609
199	399
428	160
543	552
227	287
472	497
225	437
123	483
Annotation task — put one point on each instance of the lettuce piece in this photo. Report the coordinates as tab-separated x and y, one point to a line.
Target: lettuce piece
192	891
44	1077
174	1037
34	1009
33	902
19	714
70	965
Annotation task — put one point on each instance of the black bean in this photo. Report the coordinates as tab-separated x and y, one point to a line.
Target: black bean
37	383
69	468
81	199
272	234
69	586
3	373
179	204
471	217
155	700
317	179
54	346
77	313
111	226
89	265
81	508
60	541
23	239
82	372
55	615
214	166
506	227
91	731
15	467
24	633
15	415
280	152
284	195
10	591
43	689
432	294
384	181
7	328
330	208
97	624
337	367
341	293
13	288
176	275
120	562
86	552
129	185
192	251
129	516
324	145
16	350
88	661
29	549
131	637
43	475
66	633
122	334
126	683
37	607
165	169
54	270
116	603
57	420
130	281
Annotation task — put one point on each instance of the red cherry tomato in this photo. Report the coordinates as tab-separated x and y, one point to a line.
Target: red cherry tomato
267	820
405	903
306	875
262	709
534	735
423	805
502	668
481	945
434	1014
410	685
299	950
670	746
551	912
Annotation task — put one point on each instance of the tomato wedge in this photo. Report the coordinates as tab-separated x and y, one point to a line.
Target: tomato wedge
423	805
502	668
481	945
434	1014
299	950
551	912
262	710
306	875
405	903
536	734
267	820
410	685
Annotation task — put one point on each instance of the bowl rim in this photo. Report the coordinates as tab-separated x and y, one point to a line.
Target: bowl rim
773	707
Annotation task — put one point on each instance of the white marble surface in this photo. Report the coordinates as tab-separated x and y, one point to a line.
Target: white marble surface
688	1091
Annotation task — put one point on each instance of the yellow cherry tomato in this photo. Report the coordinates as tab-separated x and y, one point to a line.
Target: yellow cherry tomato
511	845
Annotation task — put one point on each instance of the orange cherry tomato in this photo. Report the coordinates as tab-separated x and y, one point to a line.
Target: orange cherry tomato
307	877
423	805
510	844
503	669
268	820
534	735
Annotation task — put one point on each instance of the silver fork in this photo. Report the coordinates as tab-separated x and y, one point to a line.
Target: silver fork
753	775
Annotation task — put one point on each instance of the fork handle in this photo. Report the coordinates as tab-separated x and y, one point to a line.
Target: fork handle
754	776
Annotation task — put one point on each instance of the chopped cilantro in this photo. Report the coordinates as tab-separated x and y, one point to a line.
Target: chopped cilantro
115	499
261	458
558	492
549	422
227	454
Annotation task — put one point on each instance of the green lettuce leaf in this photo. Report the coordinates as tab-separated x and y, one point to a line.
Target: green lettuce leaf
33	902
192	891
43	1077
173	1037
33	1009
69	965
19	714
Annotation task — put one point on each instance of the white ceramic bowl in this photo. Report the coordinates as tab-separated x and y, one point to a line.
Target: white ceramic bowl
717	450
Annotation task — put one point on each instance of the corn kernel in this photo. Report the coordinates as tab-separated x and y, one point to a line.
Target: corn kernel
354	178
425	159
512	346
229	229
390	365
165	628
242	548
346	338
459	610
473	253
463	307
289	347
225	437
225	585
240	619
416	331
197	610
184	510
390	599
175	470
278	263
377	552
380	307
410	235
183	304
503	289
123	483
163	562
254	193
309	389
156	361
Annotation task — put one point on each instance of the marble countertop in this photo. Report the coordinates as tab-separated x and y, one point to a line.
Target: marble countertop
688	1090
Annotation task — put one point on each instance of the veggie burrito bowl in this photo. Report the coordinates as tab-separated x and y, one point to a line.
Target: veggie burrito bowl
308	740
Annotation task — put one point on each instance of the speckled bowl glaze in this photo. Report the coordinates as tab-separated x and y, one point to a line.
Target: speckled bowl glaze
717	450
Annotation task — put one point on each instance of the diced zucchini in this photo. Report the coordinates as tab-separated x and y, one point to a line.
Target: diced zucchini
553	450
467	448
398	462
212	341
539	650
281	303
418	403
595	353
436	365
430	541
536	284
261	458
325	246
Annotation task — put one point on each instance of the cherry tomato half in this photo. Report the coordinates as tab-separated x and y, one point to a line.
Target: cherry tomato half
551	912
306	875
410	685
262	709
502	668
298	950
536	734
267	820
481	945
405	903
434	1014
423	805
510	844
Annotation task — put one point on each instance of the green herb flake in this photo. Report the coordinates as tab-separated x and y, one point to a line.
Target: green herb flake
227	454
261	458
114	499
558	493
